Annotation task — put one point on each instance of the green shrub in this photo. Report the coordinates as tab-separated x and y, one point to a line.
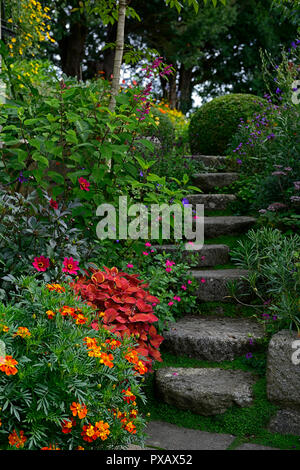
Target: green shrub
62	383
272	261
164	132
213	125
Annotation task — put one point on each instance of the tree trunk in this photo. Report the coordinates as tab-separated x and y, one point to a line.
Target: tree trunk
185	89
72	49
118	54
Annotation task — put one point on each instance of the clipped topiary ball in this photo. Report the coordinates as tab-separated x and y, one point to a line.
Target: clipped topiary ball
213	125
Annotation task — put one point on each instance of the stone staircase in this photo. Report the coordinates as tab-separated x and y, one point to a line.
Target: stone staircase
211	391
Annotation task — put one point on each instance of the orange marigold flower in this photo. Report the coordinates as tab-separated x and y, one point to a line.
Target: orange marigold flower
65	310
128	395
81	319
50	314
66	425
15	440
141	368
90	342
8	364
132	356
113	343
56	287
102	430
89	433
130	427
133	413
107	359
78	409
95	352
23	332
79	448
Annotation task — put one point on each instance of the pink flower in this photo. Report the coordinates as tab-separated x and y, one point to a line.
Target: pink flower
189	281
129	265
169	263
203	281
177	298
145	253
183	287
41	263
70	266
169	270
84	184
152	251
147	244
203	258
171	303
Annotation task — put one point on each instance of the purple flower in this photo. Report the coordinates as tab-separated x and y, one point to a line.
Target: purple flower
185	201
249	355
239	161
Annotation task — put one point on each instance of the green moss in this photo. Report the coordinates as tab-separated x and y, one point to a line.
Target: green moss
213	124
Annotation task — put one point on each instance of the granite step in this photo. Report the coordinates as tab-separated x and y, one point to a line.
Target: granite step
207	256
218	202
209	161
167	436
207	182
204	391
227	225
213	283
214	339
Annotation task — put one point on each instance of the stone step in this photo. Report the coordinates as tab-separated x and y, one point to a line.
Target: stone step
210	161
211	202
227	225
213	283
207	182
204	391
214	339
167	436
208	256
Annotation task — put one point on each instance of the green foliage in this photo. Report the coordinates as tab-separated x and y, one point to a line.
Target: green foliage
56	366
272	260
164	132
29	229
213	124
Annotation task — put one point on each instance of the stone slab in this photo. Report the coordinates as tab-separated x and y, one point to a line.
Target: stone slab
286	422
227	225
207	256
213	339
171	437
213	284
204	391
212	202
283	370
207	182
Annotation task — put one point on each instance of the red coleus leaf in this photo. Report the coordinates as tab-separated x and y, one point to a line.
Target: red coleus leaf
110	315
98	277
147	317
143	307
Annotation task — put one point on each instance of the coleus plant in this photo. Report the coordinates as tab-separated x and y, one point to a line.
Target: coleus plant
124	306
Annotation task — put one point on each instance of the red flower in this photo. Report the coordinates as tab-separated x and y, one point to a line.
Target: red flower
53	204
41	263
84	184
70	266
